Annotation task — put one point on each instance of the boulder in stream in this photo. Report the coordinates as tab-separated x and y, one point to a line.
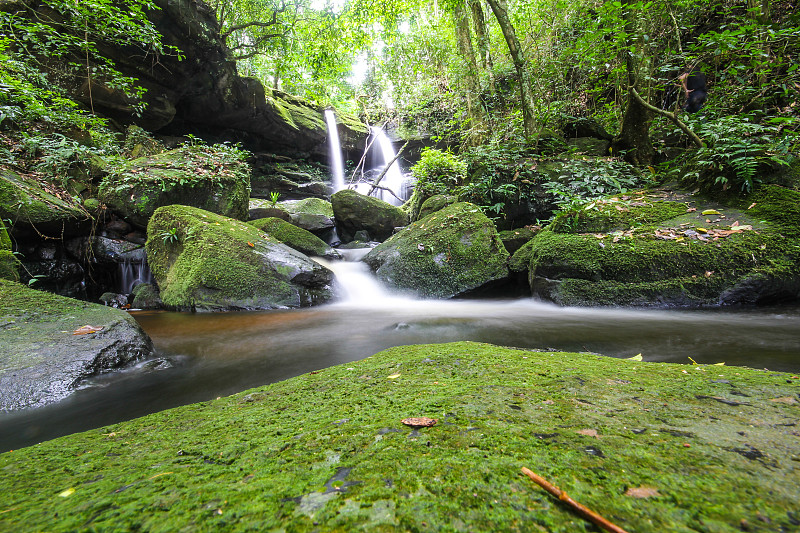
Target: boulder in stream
43	357
663	248
451	252
206	262
295	237
355	212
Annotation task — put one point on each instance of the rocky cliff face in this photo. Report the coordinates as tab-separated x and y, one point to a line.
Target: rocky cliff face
201	92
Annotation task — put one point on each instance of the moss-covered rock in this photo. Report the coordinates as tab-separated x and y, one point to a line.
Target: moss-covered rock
354	212
451	252
295	237
435	203
312	214
515	239
42	360
213	178
651	447
207	262
40	206
146	296
291	180
638	252
8	263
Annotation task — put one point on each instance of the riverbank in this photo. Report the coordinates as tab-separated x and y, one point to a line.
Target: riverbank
653	447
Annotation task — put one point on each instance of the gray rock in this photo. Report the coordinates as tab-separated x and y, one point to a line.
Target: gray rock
354	212
42	362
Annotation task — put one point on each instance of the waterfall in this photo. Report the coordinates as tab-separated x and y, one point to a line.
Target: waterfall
334	152
393	180
131	273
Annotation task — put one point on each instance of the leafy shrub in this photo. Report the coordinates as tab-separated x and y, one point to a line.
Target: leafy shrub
739	154
581	181
438	172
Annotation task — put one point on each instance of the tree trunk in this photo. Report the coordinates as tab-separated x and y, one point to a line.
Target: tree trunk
633	139
482	37
467	52
500	10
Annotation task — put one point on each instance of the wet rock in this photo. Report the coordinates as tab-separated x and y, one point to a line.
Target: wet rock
451	252
295	237
216	263
311	214
41	361
355	212
146	296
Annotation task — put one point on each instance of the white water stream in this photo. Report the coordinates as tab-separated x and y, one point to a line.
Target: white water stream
334	152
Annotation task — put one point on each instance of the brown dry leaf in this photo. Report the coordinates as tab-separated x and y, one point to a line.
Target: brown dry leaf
786	399
87	329
419	422
642	492
589	433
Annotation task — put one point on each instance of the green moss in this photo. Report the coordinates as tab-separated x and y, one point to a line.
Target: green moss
445	254
294	237
310	206
716	445
23	199
690	259
206	261
521	260
613	214
213	178
296	112
435	203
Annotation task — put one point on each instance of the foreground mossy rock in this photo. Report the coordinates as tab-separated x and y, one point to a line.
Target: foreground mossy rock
451	252
354	212
652	447
42	361
8	263
670	249
311	214
294	237
213	178
207	262
435	203
39	207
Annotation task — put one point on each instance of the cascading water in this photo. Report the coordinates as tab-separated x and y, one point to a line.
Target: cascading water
334	152
393	180
131	273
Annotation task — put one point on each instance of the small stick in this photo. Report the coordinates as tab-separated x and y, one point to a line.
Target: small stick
580	509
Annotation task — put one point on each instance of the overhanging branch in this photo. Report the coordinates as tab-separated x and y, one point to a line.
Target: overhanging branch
672	116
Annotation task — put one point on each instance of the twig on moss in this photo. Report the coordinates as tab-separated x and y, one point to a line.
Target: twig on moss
586	513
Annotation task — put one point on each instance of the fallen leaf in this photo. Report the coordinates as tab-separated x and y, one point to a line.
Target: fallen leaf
752	205
711	212
691	210
589	433
393	376
67	493
702	230
419	422
642	492
251	245
87	329
637	357
736	223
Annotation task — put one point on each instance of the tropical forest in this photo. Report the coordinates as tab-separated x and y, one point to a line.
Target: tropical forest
425	266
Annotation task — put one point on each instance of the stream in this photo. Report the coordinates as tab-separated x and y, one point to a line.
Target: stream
204	356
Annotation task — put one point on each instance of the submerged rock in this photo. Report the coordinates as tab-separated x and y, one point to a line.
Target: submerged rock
295	237
207	262
666	249
356	212
451	252
211	178
42	361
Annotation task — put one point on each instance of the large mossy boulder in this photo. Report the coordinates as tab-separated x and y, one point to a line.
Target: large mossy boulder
294	237
354	212
449	253
652	447
43	359
206	262
213	178
39	207
670	249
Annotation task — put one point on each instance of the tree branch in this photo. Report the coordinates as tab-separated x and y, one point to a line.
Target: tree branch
385	170
672	116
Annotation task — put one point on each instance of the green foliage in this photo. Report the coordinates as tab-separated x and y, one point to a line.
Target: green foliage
438	172
580	182
739	154
273	198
